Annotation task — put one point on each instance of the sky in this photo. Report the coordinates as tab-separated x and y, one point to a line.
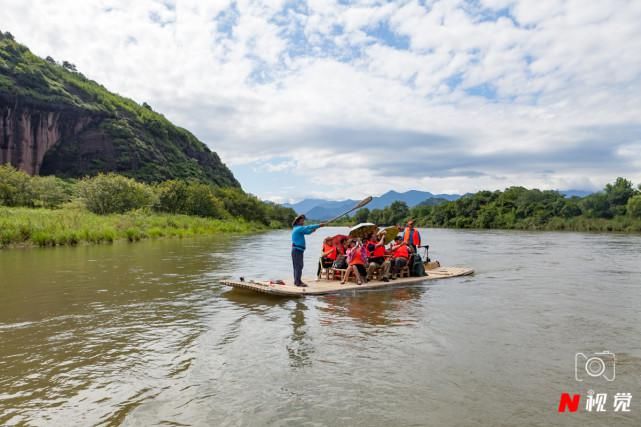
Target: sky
343	99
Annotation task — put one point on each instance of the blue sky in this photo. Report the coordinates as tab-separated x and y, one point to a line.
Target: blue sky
340	99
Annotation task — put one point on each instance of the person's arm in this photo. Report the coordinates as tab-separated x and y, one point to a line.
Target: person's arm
395	247
309	229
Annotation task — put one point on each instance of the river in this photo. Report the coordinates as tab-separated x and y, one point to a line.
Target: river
142	334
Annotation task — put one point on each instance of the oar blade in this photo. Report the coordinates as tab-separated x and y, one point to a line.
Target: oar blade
363	202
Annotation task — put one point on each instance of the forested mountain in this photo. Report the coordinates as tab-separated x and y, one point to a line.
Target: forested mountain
55	121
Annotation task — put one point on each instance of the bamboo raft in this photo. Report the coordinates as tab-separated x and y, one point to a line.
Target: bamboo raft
323	286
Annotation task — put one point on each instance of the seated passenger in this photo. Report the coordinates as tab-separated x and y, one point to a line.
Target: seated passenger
375	253
356	259
400	256
328	255
341	256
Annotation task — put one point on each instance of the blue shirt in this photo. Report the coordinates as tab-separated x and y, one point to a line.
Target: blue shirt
298	235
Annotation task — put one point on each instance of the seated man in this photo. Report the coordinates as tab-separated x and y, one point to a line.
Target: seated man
376	254
400	256
328	255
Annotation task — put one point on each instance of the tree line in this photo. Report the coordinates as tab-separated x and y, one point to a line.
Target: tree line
616	208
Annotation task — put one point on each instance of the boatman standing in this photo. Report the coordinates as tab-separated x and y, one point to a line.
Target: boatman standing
298	246
411	236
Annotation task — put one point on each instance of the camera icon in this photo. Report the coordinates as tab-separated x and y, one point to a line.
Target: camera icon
602	364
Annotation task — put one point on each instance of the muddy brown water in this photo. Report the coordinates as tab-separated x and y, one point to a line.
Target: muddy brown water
142	334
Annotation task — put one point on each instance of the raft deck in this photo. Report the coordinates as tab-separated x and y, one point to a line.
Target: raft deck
323	286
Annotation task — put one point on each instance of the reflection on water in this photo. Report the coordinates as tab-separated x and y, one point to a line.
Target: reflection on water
300	347
385	307
142	334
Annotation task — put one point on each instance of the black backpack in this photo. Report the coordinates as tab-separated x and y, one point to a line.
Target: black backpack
417	269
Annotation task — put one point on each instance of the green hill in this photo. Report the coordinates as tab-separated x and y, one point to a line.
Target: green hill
55	121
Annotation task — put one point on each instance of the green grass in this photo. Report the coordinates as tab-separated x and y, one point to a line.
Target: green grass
72	226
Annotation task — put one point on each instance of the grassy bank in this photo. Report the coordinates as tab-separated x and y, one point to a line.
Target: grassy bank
71	226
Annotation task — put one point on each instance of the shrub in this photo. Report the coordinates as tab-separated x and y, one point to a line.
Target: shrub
202	202
111	193
50	191
243	205
172	196
15	187
633	208
190	198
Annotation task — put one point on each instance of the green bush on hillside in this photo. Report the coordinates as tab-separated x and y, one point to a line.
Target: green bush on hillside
50	191
111	193
172	196
15	187
202	202
190	198
243	205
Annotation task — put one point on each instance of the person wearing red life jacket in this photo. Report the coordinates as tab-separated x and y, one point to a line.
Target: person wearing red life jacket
376	253
328	255
400	256
356	260
411	236
341	253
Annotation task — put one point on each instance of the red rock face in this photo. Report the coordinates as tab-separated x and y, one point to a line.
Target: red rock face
27	133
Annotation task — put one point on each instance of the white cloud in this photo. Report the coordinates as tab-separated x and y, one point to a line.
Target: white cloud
457	95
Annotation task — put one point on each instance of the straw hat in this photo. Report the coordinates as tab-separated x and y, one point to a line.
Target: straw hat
298	218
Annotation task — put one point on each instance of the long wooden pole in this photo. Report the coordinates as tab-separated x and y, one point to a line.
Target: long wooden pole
360	204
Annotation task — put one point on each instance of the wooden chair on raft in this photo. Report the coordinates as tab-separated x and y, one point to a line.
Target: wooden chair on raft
405	271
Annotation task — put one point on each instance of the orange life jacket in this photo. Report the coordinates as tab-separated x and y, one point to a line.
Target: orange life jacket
332	251
411	237
379	251
357	258
401	252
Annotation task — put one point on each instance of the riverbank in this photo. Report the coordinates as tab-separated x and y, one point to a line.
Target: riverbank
24	227
579	224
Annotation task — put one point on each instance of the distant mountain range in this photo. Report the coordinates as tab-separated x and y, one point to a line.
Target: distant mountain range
575	193
325	209
321	209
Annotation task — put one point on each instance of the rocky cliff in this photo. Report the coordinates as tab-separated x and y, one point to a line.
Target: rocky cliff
27	133
53	120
